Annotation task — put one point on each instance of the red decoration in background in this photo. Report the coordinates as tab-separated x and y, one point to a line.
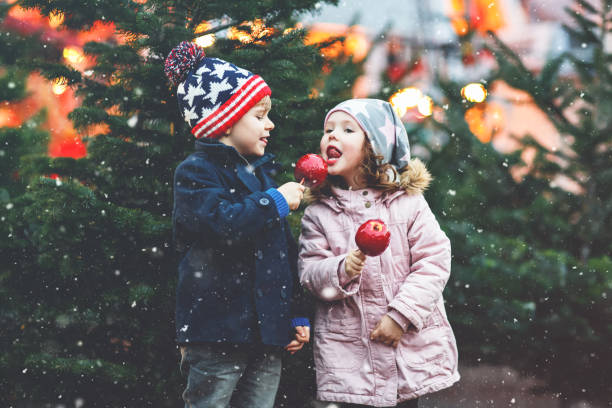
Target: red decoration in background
68	147
396	71
64	141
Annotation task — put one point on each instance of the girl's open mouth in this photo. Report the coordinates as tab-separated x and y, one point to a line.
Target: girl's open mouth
333	154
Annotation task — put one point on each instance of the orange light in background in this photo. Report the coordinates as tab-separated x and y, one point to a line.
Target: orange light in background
258	31
486	15
485	121
56	18
20	13
405	99
8	117
69	146
203	26
59	85
474	92
100	31
290	29
460	25
425	106
458	7
355	44
483	15
73	55
234	34
207	40
457	17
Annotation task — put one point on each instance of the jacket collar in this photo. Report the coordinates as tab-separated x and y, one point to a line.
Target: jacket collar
245	166
343	200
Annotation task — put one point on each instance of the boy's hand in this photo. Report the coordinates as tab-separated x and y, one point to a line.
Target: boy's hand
293	193
354	263
387	331
302	336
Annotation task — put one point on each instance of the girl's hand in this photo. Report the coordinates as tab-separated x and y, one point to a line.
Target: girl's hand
387	331
354	263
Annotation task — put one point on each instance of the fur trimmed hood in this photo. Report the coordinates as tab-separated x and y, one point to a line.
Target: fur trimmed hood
415	179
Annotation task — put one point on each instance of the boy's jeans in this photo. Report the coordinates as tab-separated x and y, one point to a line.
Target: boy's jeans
231	375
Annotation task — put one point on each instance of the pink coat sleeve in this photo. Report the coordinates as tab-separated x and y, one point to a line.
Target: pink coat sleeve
322	272
430	254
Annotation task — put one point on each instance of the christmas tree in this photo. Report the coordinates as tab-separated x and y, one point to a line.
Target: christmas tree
531	259
91	270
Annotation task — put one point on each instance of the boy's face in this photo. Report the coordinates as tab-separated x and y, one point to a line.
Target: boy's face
249	136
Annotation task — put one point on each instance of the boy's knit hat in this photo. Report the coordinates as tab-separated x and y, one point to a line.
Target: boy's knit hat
212	94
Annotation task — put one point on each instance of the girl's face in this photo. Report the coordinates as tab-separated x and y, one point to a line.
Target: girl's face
342	147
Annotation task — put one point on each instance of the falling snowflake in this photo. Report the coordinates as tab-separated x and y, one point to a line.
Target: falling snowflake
328	293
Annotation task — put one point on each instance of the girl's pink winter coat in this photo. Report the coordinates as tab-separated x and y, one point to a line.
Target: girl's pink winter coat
406	282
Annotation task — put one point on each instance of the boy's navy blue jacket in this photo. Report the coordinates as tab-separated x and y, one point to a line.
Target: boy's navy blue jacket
238	268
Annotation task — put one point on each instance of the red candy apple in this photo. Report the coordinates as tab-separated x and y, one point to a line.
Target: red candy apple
311	168
373	237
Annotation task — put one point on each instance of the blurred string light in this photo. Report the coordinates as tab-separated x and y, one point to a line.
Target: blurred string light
298	26
258	31
56	19
8	117
425	106
485	120
474	92
73	55
405	99
59	85
409	98
207	40
337	41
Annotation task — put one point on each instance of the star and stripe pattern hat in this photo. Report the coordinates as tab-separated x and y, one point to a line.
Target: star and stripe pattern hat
213	94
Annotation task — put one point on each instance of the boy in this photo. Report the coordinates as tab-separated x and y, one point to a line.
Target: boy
237	274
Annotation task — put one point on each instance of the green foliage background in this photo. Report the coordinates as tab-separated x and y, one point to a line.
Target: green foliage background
88	275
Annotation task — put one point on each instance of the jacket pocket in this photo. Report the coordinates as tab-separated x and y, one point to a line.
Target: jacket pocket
429	345
339	348
424	348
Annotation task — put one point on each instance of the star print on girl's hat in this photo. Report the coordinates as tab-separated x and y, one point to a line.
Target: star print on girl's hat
212	94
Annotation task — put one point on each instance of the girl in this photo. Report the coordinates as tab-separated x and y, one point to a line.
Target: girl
382	338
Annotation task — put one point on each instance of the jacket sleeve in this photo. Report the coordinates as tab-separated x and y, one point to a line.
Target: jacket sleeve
322	272
430	254
202	205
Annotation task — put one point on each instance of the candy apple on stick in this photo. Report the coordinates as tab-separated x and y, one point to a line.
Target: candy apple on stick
311	169
372	237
